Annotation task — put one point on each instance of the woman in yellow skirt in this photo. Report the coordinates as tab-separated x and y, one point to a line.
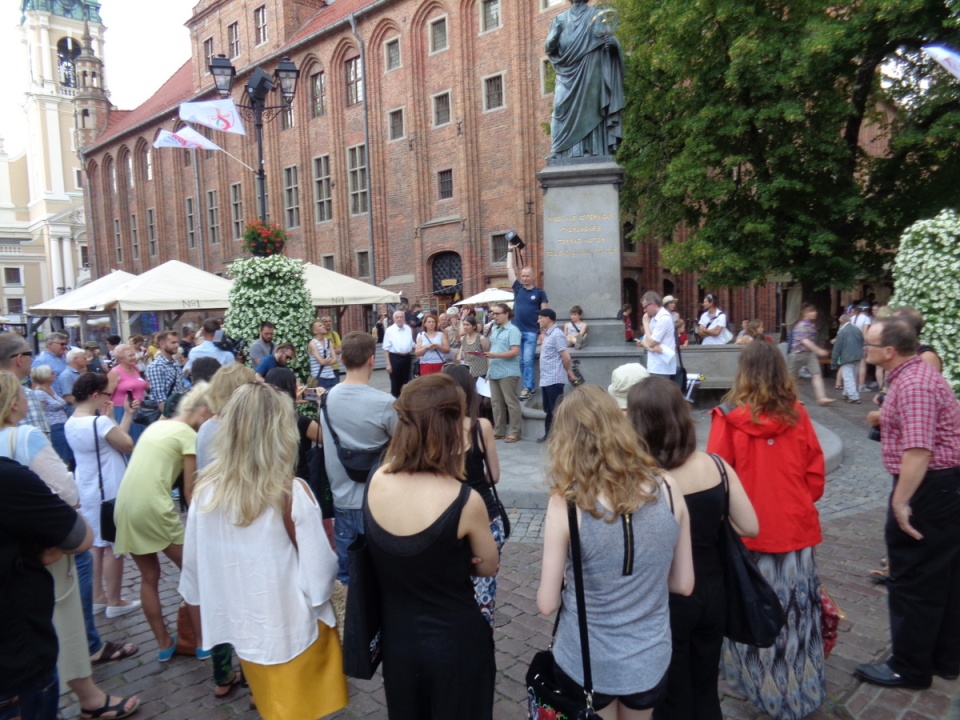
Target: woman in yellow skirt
257	562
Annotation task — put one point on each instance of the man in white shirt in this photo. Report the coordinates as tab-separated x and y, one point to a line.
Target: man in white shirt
398	352
208	349
660	341
713	323
862	319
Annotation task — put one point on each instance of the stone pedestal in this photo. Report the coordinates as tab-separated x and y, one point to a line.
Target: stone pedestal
581	245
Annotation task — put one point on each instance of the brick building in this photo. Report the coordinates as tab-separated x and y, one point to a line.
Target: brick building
456	96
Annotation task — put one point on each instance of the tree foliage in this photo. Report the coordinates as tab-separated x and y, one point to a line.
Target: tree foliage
926	276
745	122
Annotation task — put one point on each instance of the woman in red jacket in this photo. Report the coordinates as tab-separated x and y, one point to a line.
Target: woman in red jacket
765	434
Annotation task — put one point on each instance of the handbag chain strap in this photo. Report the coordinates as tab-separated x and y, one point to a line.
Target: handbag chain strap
96	442
581	603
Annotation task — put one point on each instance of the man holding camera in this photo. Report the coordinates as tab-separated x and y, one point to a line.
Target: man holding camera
920	446
208	348
528	301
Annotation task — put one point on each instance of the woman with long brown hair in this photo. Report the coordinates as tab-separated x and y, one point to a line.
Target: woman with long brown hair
635	539
432	346
424	527
662	417
765	434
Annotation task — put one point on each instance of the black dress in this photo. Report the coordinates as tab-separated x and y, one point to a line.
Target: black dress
438	660
697	622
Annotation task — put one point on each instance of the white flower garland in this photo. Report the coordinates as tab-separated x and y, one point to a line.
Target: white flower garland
926	275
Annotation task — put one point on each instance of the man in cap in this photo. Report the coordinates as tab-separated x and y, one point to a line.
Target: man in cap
555	367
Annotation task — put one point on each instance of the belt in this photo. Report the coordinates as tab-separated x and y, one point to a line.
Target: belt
400	354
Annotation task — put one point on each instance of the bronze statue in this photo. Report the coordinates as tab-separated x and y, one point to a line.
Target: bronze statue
588	96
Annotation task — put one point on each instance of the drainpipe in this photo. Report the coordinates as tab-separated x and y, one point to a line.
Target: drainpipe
366	142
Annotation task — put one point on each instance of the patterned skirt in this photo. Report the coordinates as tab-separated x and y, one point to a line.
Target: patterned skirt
786	680
485	588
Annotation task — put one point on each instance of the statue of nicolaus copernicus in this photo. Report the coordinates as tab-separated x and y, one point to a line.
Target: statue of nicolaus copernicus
588	97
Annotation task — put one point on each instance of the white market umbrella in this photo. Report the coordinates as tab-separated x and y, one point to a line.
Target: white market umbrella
490	295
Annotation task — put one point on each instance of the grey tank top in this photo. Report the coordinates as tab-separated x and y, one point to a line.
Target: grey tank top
628	616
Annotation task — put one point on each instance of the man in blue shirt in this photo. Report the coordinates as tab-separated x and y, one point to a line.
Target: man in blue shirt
54	357
528	301
208	349
503	373
285	353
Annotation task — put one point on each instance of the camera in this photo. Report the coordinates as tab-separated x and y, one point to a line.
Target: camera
225	342
874	433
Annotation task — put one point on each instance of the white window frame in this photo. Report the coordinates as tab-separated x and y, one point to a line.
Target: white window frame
209	53
291	197
323	95
433	108
357	82
481	5
403	123
386	54
19	269
503	91
233	40
260	25
446	32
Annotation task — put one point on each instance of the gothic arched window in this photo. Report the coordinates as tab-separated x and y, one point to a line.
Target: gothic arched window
68	50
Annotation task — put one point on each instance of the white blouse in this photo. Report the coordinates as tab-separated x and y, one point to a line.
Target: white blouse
256	590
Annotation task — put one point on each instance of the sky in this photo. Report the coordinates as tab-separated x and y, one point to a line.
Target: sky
145	43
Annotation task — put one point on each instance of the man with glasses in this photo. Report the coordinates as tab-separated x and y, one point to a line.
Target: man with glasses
503	374
15	357
55	357
660	341
284	354
920	447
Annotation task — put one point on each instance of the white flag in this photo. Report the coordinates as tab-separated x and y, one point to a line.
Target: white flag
950	59
185	137
220	115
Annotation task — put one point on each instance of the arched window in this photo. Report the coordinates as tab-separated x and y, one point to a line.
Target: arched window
68	50
447	274
147	164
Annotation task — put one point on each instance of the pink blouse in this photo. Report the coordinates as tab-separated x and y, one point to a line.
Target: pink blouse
128	381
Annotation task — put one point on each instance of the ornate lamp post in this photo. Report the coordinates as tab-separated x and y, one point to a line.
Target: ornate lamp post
258	89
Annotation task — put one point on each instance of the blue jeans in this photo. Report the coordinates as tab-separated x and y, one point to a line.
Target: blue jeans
84	563
347	524
327	383
528	356
38	702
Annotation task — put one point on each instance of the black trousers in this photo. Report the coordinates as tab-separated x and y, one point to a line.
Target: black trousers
924	583
400	375
550	395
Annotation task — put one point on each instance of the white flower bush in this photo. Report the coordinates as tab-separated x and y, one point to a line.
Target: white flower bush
926	275
271	289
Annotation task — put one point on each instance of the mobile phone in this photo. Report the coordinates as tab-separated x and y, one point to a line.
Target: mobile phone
474	353
309	392
130	396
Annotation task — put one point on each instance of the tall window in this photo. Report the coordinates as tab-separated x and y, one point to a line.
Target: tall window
391	51
213	217
286	118
322	198
445	184
498	247
363	263
396	124
129	166
233	39
357	167
187	158
208	54
493	92
354	81
134	237
441	109
291	196
236	210
489	15
327	262
117	240
151	232
260	24
113	178
148	164
438	35
318	94
191	224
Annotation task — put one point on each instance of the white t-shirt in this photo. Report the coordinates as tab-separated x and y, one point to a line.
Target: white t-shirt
862	320
662	331
79	433
710	323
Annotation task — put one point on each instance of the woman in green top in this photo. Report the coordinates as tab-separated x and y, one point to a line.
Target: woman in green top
147	521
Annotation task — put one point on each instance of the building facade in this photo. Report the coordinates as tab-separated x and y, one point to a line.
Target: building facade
43	246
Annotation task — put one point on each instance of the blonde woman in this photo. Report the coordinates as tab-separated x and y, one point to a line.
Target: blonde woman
258	564
635	540
125	381
147	521
323	355
54	408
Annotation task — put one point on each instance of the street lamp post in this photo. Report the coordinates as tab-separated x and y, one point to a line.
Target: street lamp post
258	88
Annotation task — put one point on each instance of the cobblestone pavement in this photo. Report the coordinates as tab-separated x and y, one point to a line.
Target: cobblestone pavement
852	510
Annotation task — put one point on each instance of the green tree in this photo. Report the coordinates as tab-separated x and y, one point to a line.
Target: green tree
271	288
744	120
925	274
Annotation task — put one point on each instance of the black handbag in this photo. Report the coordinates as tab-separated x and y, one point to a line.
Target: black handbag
504	518
543	693
108	526
362	625
359	464
150	410
319	481
680	376
754	613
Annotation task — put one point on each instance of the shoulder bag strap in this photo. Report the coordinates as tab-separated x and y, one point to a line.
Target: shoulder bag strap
726	484
96	442
478	433
326	416
581	603
669	495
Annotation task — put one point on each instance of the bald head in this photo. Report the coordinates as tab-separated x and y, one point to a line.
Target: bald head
527	276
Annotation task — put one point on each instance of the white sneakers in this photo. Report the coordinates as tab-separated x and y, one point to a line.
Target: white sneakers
115	611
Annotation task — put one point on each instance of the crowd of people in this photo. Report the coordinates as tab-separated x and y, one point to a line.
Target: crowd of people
264	547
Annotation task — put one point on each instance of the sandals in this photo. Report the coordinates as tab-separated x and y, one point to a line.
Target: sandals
229	687
882	574
511	439
117	710
112	651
